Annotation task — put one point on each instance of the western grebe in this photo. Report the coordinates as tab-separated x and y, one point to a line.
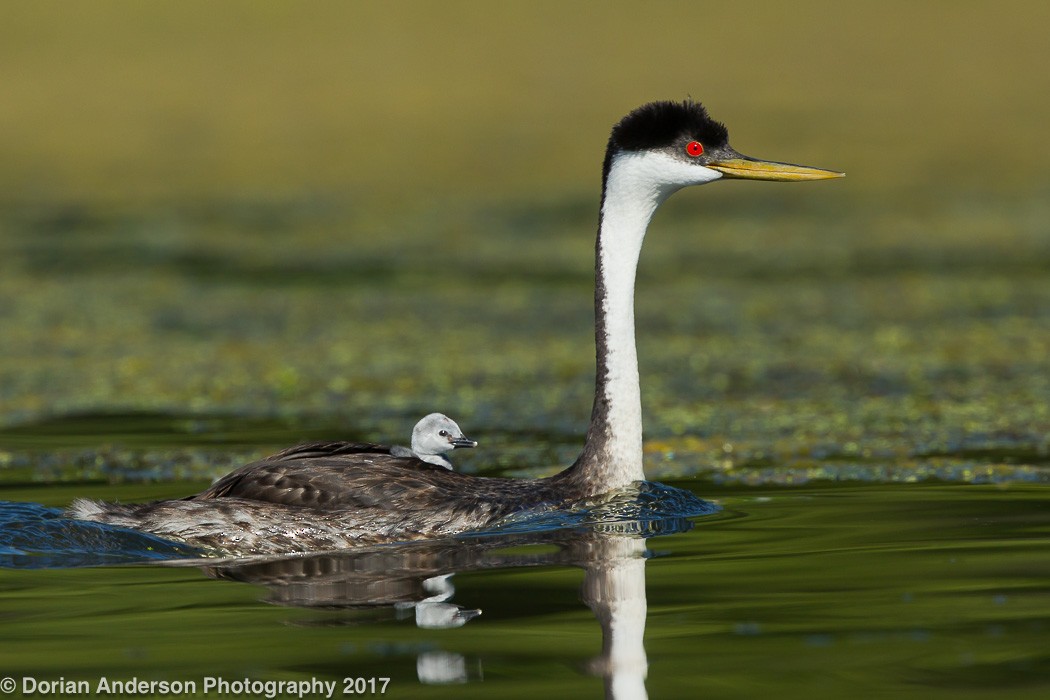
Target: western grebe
335	495
432	437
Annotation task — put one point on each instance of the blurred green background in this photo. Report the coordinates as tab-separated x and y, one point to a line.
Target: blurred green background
244	223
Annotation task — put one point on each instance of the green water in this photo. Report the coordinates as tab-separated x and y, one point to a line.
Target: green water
928	590
225	232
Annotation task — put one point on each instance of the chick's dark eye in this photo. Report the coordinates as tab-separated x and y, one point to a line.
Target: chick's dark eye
694	148
443	433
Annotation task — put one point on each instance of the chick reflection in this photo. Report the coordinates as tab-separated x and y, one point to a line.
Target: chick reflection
435	612
407	578
416	579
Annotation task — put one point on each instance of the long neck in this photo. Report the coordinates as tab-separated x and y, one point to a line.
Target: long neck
612	456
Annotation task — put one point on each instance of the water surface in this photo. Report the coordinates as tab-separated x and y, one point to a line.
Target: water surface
932	590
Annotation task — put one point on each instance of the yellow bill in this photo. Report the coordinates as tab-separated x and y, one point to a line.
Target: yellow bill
751	169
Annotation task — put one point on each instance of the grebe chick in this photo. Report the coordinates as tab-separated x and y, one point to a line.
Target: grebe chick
336	495
433	436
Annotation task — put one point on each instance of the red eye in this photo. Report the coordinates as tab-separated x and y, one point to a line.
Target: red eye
694	148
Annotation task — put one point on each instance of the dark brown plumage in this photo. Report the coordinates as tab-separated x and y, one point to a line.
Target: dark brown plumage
333	495
365	475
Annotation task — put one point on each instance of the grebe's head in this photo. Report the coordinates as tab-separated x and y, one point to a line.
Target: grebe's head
671	145
436	434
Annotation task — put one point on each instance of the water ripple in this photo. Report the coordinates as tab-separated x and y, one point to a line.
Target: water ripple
645	508
33	536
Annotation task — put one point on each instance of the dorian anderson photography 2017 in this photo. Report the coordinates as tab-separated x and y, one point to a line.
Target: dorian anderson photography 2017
209	686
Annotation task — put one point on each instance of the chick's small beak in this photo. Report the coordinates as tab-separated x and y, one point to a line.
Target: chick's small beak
463	441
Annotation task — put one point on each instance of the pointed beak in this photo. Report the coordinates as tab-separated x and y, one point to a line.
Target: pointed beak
745	168
463	441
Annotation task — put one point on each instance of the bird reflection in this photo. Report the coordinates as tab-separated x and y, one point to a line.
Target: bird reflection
417	579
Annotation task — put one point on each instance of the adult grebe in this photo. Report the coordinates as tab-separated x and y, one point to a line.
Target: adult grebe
432	437
334	495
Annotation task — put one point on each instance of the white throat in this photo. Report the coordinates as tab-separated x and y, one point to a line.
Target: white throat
439	460
637	183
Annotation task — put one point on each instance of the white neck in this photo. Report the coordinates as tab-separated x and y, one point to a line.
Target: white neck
439	460
637	183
